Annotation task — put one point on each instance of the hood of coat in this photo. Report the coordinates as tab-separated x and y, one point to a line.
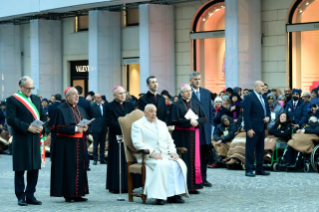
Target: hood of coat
274	98
224	117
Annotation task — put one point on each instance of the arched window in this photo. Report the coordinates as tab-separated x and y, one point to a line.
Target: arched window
208	44
303	44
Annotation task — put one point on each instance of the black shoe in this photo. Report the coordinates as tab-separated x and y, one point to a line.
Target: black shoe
22	202
262	173
80	199
291	166
33	201
250	174
207	184
175	199
88	169
103	161
95	162
67	199
159	202
193	192
8	152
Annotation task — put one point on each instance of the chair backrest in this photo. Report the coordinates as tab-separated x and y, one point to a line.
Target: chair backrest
126	125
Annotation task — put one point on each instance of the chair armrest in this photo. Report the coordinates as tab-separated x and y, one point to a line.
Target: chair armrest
140	151
181	150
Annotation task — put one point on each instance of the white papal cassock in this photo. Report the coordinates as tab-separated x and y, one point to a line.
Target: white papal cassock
166	177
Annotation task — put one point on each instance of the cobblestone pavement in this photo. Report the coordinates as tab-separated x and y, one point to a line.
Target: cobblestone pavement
231	191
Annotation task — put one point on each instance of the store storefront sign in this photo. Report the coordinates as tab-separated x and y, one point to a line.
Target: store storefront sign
82	68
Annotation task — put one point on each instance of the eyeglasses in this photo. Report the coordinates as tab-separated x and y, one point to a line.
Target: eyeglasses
29	89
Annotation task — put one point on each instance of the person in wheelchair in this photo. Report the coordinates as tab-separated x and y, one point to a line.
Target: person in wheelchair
223	135
311	128
282	127
165	171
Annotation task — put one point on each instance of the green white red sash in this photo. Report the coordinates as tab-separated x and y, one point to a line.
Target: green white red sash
28	104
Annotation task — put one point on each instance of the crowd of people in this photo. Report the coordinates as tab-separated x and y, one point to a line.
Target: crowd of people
218	130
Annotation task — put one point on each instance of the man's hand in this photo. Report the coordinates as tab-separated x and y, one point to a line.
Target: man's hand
85	128
266	119
174	156
1	126
80	129
302	131
33	129
194	123
233	108
156	156
251	133
219	142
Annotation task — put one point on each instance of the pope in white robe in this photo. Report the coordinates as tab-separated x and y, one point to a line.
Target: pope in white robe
165	171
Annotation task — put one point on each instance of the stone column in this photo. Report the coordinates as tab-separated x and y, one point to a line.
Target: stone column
46	56
104	52
157	46
243	43
10	60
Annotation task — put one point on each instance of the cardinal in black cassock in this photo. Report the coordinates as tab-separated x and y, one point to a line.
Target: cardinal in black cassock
68	171
152	97
186	134
115	109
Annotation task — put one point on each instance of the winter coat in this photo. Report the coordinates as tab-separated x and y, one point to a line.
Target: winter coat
275	109
221	128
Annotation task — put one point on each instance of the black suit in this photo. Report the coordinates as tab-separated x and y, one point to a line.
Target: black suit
25	145
98	129
254	115
158	101
51	110
86	105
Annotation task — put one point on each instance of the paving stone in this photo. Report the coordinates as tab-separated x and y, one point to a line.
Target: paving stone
231	191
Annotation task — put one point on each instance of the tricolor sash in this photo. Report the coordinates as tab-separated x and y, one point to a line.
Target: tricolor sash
28	104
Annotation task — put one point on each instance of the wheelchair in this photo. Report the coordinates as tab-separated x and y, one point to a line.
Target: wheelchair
277	155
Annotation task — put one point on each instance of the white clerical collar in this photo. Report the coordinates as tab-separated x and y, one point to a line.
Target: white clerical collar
187	100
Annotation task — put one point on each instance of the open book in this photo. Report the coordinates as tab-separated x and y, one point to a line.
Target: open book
84	122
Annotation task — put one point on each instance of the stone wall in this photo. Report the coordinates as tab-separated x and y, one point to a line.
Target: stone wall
273	19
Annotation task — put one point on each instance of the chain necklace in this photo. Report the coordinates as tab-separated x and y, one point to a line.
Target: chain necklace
79	118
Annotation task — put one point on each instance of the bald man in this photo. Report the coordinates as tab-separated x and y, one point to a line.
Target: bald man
256	116
115	109
98	129
22	109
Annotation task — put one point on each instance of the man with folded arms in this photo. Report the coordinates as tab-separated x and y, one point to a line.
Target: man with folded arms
68	172
165	171
22	109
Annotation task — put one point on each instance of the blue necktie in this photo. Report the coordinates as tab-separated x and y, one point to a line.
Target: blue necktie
263	104
100	109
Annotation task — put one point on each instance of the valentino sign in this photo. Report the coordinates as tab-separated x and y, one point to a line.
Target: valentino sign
82	68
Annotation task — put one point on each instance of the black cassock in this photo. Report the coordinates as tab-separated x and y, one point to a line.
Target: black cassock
184	135
158	101
113	111
68	172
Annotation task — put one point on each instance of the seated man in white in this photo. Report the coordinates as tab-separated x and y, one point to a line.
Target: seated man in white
165	171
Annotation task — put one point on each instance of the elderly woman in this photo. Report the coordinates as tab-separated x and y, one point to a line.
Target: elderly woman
219	110
282	100
314	99
311	128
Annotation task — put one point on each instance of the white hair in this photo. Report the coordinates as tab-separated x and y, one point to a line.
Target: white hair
181	89
117	88
148	106
313	118
69	91
194	73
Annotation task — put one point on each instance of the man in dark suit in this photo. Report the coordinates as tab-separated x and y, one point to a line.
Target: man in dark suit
256	116
152	97
51	109
87	107
22	109
98	129
202	96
